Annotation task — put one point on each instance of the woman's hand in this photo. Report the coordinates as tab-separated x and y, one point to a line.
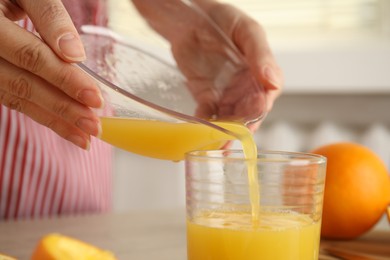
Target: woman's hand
36	74
250	38
200	54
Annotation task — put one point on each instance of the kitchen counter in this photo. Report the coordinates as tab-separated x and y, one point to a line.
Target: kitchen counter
144	235
134	235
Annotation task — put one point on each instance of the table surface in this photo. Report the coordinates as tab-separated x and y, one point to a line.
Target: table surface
146	235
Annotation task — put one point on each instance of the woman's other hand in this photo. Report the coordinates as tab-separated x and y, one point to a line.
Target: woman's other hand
200	55
250	38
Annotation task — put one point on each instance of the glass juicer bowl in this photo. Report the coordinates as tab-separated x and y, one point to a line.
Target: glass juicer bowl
183	87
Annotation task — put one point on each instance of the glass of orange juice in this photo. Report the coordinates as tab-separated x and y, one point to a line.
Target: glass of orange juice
267	207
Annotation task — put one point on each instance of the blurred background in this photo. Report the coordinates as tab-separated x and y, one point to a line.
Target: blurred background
335	55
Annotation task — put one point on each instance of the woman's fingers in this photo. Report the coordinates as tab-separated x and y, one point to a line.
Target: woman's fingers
250	38
25	50
36	77
56	28
11	10
21	89
59	125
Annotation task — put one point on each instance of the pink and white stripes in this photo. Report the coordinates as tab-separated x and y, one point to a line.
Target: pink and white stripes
43	175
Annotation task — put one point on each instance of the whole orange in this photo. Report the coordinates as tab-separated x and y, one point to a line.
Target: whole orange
357	190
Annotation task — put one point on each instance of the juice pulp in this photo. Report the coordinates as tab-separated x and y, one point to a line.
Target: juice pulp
231	236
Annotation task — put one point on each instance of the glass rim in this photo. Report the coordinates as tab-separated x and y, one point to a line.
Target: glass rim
298	158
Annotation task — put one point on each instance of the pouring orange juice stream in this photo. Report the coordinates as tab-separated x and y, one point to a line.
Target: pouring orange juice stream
170	141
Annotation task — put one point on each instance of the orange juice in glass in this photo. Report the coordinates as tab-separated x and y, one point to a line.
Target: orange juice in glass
220	219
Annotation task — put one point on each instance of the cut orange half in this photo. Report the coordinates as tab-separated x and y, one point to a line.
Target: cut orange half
6	257
59	247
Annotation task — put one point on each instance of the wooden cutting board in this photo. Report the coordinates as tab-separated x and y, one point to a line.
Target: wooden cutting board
373	245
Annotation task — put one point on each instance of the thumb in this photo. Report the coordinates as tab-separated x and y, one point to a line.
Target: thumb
56	28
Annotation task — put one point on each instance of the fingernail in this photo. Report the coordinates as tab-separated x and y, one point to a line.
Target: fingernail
271	77
71	47
79	141
90	126
91	98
